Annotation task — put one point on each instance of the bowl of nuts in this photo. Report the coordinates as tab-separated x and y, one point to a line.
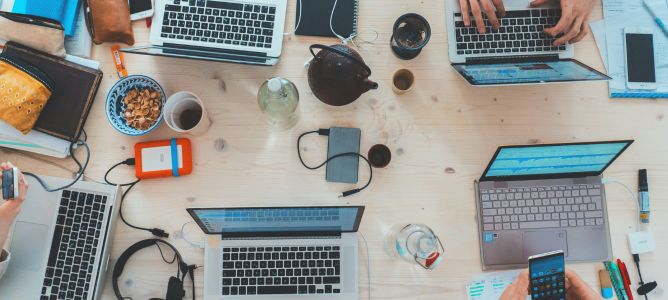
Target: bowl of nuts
135	105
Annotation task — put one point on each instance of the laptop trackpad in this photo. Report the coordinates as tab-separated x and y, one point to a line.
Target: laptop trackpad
28	244
537	242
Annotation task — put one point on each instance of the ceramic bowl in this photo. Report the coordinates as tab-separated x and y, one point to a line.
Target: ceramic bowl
115	106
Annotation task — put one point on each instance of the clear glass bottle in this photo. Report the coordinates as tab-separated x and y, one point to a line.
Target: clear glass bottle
415	243
278	99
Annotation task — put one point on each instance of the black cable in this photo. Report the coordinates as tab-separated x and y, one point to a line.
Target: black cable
636	259
80	172
325	132
131	162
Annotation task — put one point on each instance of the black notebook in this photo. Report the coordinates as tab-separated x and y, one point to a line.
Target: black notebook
316	15
75	87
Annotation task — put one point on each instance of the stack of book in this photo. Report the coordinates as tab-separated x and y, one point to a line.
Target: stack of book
76	81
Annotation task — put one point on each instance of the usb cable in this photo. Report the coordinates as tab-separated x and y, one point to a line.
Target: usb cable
325	132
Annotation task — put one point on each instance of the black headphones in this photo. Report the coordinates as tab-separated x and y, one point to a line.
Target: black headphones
175	289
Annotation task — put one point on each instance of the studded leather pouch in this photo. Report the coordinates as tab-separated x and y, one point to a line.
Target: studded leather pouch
24	91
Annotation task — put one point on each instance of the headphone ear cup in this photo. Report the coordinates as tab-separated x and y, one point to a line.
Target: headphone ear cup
175	289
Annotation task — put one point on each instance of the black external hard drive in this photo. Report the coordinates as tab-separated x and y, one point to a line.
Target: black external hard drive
343	169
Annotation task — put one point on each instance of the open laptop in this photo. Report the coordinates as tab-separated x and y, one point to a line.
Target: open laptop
239	31
519	52
61	242
280	252
539	198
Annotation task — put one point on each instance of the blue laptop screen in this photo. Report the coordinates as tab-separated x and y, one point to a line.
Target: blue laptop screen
528	72
288	219
554	159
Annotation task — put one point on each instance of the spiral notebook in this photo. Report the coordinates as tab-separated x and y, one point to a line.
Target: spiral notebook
316	14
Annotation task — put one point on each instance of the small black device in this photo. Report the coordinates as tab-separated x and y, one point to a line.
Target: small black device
343	140
175	289
140	9
640	68
547	276
10	184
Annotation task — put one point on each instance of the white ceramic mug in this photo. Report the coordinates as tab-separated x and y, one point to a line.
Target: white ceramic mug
186	102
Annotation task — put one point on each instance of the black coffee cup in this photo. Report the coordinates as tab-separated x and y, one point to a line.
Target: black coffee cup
410	34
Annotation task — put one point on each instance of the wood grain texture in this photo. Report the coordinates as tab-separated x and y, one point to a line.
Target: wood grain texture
442	135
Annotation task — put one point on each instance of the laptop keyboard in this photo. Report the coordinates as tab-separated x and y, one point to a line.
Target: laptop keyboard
74	246
281	270
219	22
542	207
520	31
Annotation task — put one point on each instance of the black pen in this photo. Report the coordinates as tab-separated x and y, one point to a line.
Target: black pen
643	196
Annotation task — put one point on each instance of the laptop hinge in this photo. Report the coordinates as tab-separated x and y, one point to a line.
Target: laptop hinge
511	59
215	50
279	235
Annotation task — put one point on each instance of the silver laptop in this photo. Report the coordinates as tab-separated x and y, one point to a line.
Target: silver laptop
280	253
61	242
540	198
239	31
519	52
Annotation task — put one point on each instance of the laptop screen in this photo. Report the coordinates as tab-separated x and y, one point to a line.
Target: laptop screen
278	219
528	72
562	159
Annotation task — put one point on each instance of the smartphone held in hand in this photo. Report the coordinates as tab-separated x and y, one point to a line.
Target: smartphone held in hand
547	276
10	184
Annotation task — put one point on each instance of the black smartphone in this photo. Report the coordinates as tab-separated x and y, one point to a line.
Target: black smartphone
10	184
547	276
344	168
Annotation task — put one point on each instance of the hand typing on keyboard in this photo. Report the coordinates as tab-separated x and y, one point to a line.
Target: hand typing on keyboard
574	22
490	7
571	28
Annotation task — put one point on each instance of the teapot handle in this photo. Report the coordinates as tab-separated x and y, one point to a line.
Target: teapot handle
339	52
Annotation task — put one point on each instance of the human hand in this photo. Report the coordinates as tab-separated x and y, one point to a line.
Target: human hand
574	21
576	289
10	209
489	6
519	289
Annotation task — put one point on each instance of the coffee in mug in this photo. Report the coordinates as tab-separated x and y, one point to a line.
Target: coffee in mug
402	81
185	113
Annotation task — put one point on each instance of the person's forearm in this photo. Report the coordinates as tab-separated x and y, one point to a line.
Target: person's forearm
5	226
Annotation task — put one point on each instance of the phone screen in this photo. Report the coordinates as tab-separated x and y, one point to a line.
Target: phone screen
640	57
137	6
547	277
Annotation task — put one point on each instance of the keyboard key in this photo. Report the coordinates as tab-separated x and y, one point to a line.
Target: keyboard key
542	224
276	290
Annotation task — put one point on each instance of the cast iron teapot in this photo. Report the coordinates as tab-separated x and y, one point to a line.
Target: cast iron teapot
338	75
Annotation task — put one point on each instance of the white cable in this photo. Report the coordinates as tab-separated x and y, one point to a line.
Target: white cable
368	262
605	180
299	20
331	27
183	234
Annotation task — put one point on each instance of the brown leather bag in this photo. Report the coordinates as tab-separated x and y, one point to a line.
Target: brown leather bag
109	21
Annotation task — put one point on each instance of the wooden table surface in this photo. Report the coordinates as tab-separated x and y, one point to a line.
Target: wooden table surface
442	135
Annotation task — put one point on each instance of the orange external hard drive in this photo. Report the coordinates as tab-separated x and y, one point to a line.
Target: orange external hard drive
165	158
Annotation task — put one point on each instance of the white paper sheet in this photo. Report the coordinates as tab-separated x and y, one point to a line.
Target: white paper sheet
598	31
612	8
490	285
614	36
